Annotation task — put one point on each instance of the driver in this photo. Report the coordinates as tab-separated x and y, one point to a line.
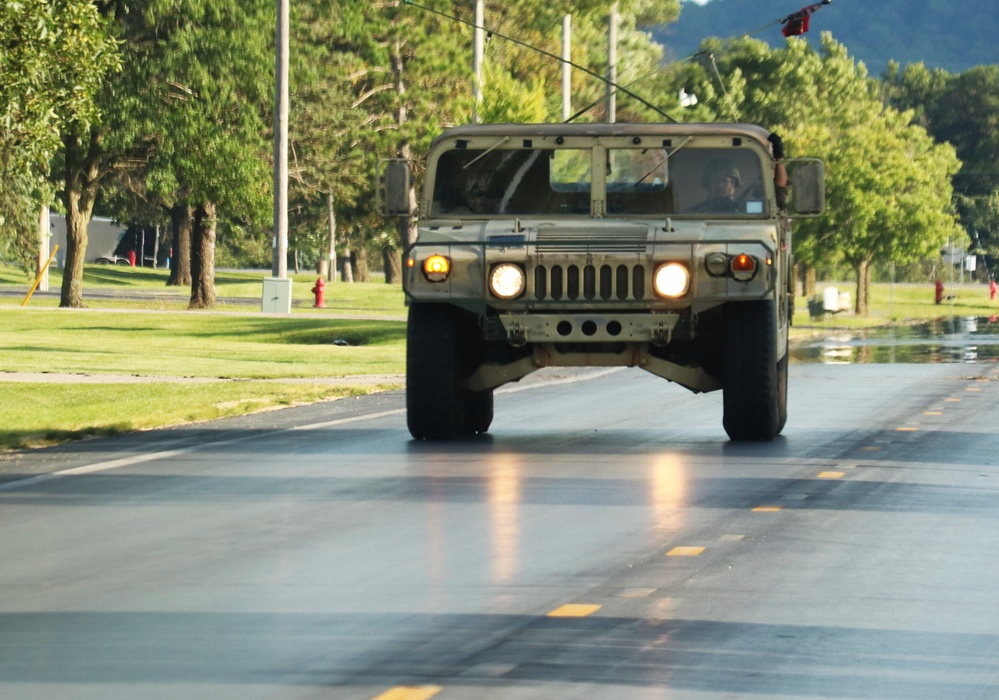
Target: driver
721	179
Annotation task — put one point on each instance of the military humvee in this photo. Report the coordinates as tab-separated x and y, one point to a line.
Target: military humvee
599	245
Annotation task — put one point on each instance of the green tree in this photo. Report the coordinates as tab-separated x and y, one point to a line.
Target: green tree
888	184
54	58
962	110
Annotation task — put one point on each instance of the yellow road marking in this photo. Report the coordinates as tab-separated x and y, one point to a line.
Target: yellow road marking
933	413
636	592
410	692
732	538
766	509
972	388
953	400
684	551
831	475
906	430
574	610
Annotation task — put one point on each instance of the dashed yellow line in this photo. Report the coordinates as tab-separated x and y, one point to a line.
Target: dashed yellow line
410	692
973	388
767	509
906	429
636	592
573	610
953	400
932	413
831	475
685	551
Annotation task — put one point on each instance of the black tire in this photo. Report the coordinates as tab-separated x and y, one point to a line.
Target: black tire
435	398
754	390
782	391
478	411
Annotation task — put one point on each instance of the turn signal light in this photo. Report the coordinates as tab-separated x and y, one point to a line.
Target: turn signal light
436	268
743	267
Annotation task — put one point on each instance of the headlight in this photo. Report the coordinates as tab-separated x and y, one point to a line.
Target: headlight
671	280
436	268
507	281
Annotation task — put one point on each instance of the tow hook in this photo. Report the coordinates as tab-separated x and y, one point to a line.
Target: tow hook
661	333
516	335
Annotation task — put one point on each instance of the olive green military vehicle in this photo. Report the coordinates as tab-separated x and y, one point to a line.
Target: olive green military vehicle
600	245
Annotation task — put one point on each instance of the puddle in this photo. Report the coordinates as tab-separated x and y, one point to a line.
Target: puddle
963	339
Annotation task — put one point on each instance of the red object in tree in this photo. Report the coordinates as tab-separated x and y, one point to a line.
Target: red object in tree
796	26
797	23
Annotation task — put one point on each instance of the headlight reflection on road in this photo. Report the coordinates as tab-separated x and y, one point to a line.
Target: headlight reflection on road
505	486
668	492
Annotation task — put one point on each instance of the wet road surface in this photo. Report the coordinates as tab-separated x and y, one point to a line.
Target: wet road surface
606	541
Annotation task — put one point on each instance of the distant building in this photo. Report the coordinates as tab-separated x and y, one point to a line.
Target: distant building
103	236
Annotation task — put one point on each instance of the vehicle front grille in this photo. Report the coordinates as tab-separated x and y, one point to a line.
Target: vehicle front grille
570	282
632	239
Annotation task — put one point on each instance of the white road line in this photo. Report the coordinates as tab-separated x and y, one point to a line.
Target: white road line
108	465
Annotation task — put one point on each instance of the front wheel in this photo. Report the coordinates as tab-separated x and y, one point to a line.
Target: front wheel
435	397
755	384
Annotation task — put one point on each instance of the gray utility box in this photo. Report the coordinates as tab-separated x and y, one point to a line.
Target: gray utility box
277	296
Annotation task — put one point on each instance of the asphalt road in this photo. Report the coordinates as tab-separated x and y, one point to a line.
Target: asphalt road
605	542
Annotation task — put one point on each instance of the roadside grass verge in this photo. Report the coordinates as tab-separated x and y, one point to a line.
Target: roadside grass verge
42	414
901	304
121	287
194	365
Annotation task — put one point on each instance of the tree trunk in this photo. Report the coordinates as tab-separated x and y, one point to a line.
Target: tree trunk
181	217
863	268
359	257
405	225
331	277
392	262
203	258
82	181
807	273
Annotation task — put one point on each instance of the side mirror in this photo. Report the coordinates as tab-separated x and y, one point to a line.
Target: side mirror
395	183
808	186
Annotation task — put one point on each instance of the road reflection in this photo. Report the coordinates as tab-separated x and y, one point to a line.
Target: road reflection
504	494
959	339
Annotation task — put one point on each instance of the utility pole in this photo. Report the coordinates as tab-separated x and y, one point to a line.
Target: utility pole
44	244
479	47
277	289
612	66
566	68
280	266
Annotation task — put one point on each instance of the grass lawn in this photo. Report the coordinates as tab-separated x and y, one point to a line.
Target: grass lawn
135	327
200	365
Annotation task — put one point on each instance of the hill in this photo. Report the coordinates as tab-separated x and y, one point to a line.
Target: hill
941	33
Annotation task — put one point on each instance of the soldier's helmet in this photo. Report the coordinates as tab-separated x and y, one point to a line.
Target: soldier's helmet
720	167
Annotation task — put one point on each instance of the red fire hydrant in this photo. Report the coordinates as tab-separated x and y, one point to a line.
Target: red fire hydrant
318	291
131	258
938	291
992	290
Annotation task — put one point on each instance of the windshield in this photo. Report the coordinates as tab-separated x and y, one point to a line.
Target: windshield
639	181
525	181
